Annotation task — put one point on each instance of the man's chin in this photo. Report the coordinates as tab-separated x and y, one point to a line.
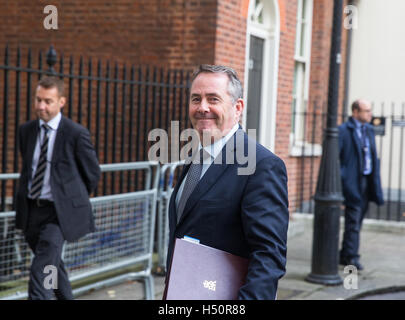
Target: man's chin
209	135
42	117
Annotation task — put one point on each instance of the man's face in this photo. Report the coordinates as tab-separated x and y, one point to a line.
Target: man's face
211	110
363	115
48	103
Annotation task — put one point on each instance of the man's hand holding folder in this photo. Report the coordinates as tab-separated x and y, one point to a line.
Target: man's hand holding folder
199	272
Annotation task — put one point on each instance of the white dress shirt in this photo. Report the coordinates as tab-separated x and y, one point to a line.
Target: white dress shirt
46	192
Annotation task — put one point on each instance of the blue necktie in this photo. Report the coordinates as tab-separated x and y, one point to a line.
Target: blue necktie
364	146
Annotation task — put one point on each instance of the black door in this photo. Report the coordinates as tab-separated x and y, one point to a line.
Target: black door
255	84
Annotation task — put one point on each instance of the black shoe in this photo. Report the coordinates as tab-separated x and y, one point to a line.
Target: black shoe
353	262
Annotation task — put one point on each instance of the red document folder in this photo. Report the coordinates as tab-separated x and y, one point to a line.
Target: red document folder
199	272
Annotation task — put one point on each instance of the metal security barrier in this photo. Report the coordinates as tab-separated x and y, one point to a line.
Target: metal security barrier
123	238
167	174
15	255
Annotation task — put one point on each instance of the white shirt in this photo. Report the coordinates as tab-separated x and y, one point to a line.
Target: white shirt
46	192
213	150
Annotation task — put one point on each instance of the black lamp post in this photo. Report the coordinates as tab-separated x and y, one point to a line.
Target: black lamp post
328	196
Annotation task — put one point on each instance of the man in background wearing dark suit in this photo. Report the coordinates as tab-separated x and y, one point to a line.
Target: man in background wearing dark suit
242	212
59	171
360	173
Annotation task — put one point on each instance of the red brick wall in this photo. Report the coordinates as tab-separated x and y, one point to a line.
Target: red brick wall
230	42
321	41
167	33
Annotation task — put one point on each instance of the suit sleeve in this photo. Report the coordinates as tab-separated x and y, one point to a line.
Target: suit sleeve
343	142
265	219
87	162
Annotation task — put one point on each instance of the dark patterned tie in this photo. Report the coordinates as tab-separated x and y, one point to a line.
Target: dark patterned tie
38	181
193	177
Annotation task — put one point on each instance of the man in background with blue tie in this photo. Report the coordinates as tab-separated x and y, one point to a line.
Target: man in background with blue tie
360	172
59	171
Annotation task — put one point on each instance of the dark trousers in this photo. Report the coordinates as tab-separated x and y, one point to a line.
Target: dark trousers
354	215
48	276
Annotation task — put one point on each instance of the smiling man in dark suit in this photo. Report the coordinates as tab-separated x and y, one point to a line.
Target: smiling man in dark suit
221	200
59	171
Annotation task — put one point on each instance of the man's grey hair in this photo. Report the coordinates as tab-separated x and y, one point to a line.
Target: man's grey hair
235	89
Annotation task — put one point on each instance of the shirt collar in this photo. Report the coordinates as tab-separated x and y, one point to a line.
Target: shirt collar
214	149
53	123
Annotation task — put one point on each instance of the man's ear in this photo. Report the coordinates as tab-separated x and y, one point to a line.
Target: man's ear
355	113
62	101
239	105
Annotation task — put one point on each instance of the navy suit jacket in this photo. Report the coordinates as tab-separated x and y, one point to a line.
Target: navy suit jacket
246	215
351	164
75	172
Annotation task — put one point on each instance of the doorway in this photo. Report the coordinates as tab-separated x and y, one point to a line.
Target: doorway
262	46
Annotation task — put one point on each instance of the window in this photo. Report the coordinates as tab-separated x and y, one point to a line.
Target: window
257	14
302	57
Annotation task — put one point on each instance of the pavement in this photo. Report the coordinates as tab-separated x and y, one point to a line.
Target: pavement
382	255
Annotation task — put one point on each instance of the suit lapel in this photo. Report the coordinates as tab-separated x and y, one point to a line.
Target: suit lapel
212	175
356	140
31	142
172	203
60	137
208	180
